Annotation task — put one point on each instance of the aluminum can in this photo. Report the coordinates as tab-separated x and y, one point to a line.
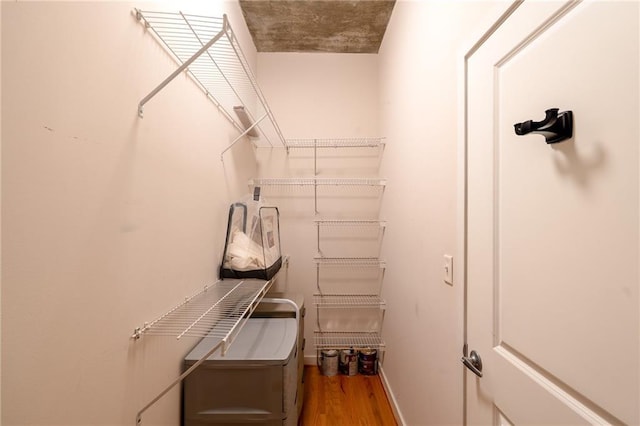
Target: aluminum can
368	362
329	362
348	362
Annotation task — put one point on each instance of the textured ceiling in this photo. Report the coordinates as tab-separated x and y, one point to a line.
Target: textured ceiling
340	26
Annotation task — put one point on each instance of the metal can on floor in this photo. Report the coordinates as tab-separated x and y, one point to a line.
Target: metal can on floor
348	362
329	362
368	362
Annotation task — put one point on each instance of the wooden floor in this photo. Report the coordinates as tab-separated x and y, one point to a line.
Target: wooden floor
344	400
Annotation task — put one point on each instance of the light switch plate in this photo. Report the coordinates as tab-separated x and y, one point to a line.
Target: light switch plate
448	269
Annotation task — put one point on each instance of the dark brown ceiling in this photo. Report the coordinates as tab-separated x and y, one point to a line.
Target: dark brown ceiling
340	26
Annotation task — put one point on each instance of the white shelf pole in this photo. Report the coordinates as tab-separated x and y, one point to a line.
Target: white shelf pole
178	71
176	381
242	135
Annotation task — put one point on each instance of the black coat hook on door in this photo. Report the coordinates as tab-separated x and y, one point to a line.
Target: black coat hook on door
556	127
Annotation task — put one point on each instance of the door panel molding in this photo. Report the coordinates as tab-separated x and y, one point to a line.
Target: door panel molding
584	407
541	29
519	47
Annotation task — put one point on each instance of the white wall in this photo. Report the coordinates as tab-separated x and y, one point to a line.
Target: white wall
419	61
316	95
321	95
108	220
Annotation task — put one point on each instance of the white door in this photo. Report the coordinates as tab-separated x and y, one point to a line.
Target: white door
552	230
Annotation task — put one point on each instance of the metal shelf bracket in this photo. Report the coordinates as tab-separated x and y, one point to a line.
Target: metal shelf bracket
217	66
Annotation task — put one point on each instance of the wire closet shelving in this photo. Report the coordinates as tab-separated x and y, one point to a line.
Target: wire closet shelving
217	313
314	181
347	339
207	49
350	261
223	305
350	222
375	142
348	300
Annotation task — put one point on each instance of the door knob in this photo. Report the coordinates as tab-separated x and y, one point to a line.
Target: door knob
473	362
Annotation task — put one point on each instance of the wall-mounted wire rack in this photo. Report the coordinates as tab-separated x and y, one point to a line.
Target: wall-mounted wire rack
217	312
352	275
349	228
348	300
350	261
207	49
357	182
375	142
373	186
347	339
353	265
320	146
223	304
350	222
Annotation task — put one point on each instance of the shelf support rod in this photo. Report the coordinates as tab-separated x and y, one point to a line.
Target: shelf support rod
178	71
242	135
176	381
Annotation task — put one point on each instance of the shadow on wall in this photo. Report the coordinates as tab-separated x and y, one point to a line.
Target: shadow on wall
234	167
579	165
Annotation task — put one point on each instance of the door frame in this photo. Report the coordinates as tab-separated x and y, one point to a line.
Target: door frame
487	27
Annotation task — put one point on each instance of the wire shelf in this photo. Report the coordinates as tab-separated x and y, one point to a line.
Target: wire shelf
208	50
318	182
348	300
350	222
347	339
350	261
336	143
215	311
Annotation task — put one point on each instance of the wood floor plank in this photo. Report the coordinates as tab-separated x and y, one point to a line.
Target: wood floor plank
344	400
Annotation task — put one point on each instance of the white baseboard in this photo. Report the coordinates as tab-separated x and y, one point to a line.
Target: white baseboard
310	360
392	399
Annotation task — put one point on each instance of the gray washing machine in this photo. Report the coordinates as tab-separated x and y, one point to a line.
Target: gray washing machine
258	381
